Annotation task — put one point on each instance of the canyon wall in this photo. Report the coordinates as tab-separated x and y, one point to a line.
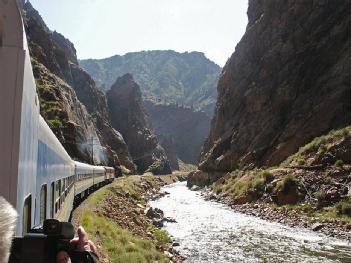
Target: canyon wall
287	82
180	130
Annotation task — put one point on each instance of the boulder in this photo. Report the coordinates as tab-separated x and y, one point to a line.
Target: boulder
317	226
198	178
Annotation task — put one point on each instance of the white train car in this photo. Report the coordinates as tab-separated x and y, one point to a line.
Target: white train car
99	176
110	174
84	179
38	177
19	114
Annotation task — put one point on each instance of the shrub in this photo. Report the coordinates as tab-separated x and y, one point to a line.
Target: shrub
289	182
267	176
55	123
161	236
343	208
339	163
320	195
301	161
258	186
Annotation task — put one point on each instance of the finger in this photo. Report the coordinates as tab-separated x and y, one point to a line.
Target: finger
83	242
92	246
74	241
63	257
83	236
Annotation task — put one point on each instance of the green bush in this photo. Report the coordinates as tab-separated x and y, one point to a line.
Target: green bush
289	182
320	195
55	123
267	176
343	208
339	163
161	236
301	161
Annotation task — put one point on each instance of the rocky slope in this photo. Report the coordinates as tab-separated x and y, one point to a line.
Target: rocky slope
184	78
181	131
128	116
63	86
287	83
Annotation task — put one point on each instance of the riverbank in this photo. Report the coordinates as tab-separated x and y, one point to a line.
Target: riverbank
261	194
115	218
294	216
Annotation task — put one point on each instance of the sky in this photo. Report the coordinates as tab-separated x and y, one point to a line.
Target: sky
103	28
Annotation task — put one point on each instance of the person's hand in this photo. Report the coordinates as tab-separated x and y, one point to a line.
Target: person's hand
81	243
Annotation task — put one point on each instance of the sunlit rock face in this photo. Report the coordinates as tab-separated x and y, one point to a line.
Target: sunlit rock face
128	116
187	78
70	102
287	82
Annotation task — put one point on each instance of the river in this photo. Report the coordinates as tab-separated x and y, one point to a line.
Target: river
211	232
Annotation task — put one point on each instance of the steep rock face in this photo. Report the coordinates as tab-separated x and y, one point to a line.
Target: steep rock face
128	116
184	78
287	83
60	84
180	130
66	115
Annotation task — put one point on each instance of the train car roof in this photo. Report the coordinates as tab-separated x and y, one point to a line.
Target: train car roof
99	168
46	135
89	166
83	165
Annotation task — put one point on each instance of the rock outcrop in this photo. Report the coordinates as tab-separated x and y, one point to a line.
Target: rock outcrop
287	83
181	131
63	89
128	116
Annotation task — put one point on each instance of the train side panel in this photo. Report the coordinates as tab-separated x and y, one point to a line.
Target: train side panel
55	180
99	175
19	111
28	152
84	178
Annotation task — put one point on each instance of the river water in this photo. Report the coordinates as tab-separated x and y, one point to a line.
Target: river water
211	232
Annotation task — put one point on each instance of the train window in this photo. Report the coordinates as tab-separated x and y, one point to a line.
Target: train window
52	203
27	215
58	188
43	195
1	33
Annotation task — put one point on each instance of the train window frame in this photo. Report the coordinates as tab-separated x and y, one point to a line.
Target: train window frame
27	215
43	203
1	33
52	203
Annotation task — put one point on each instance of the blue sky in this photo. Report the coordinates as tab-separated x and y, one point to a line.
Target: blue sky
102	28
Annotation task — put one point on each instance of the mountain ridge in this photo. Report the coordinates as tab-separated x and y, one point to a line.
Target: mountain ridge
187	78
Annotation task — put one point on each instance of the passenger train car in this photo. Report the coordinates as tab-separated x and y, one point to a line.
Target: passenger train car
38	177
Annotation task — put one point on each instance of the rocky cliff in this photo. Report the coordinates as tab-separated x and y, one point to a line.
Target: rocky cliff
184	78
181	131
63	89
128	116
287	82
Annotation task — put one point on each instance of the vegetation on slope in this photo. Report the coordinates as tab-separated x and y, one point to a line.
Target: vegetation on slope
322	150
313	182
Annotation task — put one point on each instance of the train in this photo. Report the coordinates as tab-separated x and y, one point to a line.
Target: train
38	177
